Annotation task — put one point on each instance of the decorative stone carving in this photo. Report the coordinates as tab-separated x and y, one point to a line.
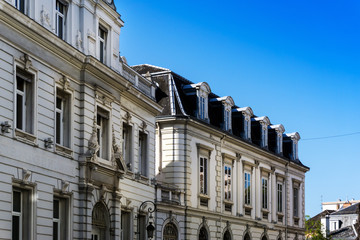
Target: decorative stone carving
127	117
45	17
143	126
116	152
27	61
93	144
65	82
79	40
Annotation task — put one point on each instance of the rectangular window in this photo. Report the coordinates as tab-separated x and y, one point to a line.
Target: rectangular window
201	107
203	175
279	197
247	188
102	43
142	227
227	120
60	218
62	118
21	214
227	183
102	121
60	19
143	164
296	202
125	225
126	145
24	101
20	5
264	193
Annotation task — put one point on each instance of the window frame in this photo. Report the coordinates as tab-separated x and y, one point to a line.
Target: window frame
103	123
65	127
30	76
102	42
127	142
130	225
280	197
204	172
21	6
26	212
265	193
247	191
228	172
143	159
63	218
62	15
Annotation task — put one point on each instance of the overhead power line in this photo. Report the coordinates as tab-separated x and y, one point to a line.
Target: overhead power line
334	136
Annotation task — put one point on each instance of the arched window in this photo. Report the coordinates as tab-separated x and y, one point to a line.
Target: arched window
203	235
170	232
247	236
227	235
100	222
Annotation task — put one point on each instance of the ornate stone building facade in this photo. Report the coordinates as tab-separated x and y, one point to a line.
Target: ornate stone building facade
77	151
89	143
222	172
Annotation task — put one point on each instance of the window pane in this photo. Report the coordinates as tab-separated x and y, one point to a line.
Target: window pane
55	231
56	209
58	128
16	201
15	228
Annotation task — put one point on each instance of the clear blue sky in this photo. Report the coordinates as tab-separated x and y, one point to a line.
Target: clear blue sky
297	62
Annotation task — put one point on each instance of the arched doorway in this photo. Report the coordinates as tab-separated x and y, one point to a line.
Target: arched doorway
170	232
247	236
227	235
203	234
264	238
100	222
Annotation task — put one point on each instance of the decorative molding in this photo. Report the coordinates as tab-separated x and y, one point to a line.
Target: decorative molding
45	17
26	176
79	40
143	126
93	144
65	82
27	61
127	117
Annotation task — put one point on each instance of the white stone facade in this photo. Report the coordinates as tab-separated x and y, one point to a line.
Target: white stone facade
62	112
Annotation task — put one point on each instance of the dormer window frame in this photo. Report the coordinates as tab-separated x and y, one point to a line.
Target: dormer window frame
295	137
227	104
279	130
264	122
227	118
202	91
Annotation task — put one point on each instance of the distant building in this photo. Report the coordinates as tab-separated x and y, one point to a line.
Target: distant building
338	204
341	220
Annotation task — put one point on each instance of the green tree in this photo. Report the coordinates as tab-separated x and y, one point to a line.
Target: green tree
313	229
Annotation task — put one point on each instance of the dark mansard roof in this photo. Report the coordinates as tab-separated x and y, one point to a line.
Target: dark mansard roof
187	106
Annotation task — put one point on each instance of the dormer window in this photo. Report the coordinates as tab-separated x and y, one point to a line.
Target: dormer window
222	108
227	119
295	137
278	130
264	123
242	122
200	91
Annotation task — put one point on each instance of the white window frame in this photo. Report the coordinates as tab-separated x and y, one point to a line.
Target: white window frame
203	173
25	212
143	159
58	15
228	171
126	145
265	193
102	43
18	3
28	105
122	227
280	197
227	119
103	132
296	201
247	191
63	218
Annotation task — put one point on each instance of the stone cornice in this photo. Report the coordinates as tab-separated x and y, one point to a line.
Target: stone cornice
230	138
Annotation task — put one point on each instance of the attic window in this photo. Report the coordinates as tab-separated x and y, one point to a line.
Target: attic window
201	91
